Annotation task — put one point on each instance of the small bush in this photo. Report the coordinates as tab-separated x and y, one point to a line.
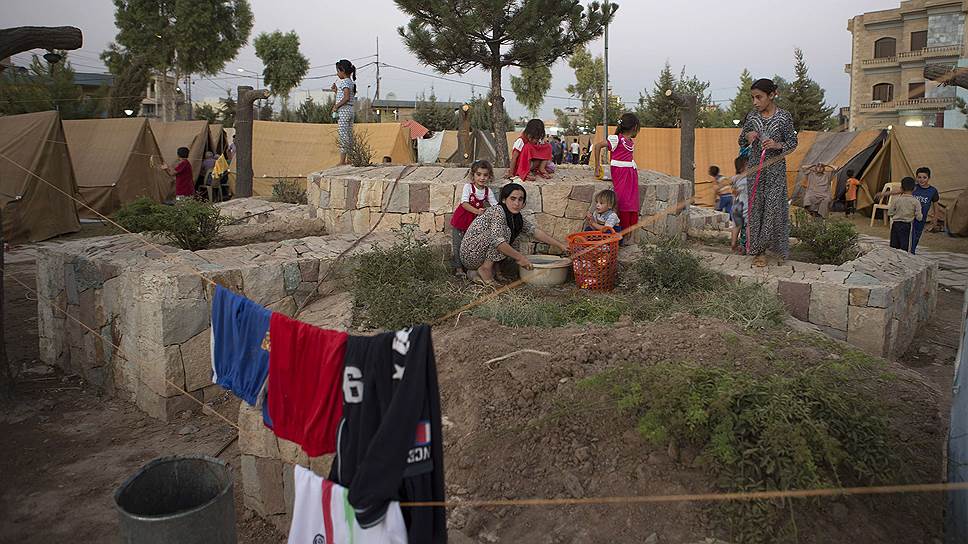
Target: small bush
192	224
360	153
826	241
521	308
290	191
402	285
668	267
748	305
189	224
756	433
142	215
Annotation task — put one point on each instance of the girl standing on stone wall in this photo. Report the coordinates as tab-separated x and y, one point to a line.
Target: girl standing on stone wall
625	173
771	129
343	109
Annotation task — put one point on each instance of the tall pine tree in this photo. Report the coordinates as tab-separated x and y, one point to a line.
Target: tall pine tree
805	99
455	36
742	103
433	115
657	109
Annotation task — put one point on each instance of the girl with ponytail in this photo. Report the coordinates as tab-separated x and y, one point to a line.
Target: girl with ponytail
625	173
343	109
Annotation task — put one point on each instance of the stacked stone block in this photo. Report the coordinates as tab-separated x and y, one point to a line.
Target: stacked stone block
352	199
876	302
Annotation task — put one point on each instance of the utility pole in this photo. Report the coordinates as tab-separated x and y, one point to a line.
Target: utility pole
377	95
606	169
243	137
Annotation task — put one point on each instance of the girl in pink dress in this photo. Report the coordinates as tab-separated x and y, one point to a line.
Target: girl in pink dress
625	174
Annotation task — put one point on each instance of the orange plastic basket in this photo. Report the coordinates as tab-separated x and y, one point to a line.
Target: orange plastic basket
594	258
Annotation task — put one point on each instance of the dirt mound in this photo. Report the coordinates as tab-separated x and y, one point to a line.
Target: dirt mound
525	427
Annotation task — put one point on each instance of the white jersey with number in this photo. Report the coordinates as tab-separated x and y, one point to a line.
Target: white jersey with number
322	514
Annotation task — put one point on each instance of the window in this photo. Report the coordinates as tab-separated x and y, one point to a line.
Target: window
884	92
919	40
885	48
915	90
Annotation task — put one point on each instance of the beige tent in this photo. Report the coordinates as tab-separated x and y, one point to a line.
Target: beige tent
841	150
36	178
216	139
449	146
944	151
295	150
116	162
191	134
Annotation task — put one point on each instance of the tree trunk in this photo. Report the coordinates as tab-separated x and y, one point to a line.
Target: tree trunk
501	158
243	138
687	127
949	74
464	138
24	38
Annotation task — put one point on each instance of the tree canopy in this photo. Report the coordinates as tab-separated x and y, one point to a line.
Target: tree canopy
455	36
285	65
131	78
44	87
589	76
530	88
742	103
661	111
805	100
433	115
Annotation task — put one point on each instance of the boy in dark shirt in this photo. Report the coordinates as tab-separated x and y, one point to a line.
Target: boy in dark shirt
184	182
927	195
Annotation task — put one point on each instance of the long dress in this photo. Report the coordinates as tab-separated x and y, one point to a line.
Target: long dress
345	115
486	232
625	178
769	219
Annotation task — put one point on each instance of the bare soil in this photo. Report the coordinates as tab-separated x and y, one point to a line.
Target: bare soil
518	428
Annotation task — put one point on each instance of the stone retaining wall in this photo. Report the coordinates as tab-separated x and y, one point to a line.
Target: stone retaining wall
352	199
876	302
156	305
256	220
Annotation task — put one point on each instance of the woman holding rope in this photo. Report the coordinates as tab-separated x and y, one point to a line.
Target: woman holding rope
769	133
492	236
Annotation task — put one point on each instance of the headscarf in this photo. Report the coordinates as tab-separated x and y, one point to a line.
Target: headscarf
514	220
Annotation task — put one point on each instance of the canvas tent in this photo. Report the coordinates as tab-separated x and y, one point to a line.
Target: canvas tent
35	174
216	139
116	162
448	145
944	151
295	150
191	134
843	151
658	149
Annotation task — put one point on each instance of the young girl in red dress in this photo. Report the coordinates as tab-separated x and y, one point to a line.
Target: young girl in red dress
472	202
625	174
530	153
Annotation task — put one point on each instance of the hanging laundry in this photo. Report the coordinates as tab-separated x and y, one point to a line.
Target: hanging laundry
303	395
240	356
389	445
322	514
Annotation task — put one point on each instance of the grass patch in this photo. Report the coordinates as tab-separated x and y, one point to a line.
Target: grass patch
807	429
823	241
667	267
402	285
526	308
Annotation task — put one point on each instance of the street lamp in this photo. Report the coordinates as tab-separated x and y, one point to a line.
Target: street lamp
129	112
736	122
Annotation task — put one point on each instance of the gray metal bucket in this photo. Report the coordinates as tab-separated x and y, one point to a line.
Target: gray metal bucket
183	499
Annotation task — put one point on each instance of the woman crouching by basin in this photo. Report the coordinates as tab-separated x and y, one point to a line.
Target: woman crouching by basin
492	236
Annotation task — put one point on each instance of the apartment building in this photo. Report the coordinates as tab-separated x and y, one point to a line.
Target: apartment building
890	51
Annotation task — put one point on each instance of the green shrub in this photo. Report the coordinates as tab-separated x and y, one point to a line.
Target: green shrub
807	430
290	191
360	153
748	305
824	241
668	267
192	224
142	215
189	224
402	285
522	308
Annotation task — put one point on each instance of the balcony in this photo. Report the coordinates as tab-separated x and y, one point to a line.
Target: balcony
912	104
909	56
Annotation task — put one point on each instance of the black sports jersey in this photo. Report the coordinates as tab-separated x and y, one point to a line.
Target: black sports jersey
389	445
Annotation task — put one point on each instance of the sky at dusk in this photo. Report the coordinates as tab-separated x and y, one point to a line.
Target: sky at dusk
714	40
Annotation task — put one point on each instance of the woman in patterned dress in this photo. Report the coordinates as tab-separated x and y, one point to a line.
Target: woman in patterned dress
768	128
492	236
345	90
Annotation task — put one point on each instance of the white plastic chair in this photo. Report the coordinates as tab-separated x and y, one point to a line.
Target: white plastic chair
880	203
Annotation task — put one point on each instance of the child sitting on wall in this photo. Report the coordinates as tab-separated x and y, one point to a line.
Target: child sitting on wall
530	153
